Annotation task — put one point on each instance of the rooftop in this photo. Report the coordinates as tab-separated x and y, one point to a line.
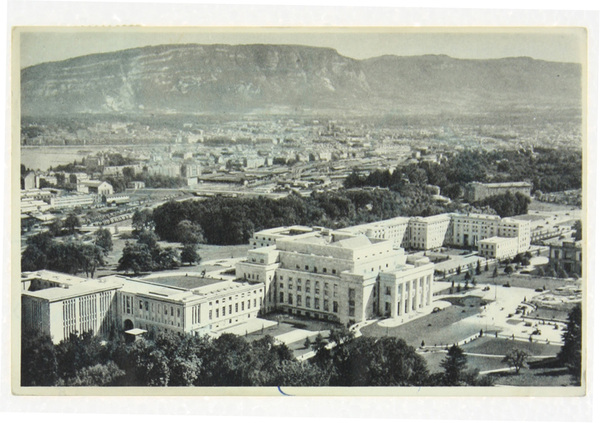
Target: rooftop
504	184
89	287
55	277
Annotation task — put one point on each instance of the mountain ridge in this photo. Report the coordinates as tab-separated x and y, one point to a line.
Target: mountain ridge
216	78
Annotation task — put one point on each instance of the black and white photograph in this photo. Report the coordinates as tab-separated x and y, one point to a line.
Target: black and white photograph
300	207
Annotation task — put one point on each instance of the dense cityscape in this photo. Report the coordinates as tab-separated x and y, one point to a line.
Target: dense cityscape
301	250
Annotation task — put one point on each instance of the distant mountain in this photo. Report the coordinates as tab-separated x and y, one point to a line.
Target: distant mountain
287	79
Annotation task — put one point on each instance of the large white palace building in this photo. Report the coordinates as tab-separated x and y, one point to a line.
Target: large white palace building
336	275
348	275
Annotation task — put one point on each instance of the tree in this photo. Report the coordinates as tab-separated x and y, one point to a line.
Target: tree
104	240
89	258
189	233
72	223
148	238
39	366
478	268
570	352
516	358
189	254
340	335
454	365
136	257
33	258
495	273
467	275
142	219
509	269
165	258
96	375
56	227
578	230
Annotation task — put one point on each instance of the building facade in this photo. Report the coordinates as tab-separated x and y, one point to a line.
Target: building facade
498	248
59	305
332	275
567	256
477	191
89	306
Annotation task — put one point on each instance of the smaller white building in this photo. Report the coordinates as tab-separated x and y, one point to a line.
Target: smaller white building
498	248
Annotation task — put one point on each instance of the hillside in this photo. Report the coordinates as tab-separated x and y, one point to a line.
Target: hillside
288	79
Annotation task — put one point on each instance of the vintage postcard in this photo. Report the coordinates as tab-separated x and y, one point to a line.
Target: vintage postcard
299	211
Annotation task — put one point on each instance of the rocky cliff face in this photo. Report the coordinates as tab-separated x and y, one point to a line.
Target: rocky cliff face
287	79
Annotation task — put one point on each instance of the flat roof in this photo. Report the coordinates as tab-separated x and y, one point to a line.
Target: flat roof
89	287
182	281
55	277
504	184
496	239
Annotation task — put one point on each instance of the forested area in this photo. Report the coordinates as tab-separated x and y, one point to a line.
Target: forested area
229	360
549	170
230	221
70	256
507	204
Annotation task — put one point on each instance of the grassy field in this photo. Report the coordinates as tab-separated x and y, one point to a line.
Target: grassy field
534	377
443	327
206	253
500	346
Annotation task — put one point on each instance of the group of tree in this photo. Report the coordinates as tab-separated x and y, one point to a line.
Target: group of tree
72	256
163	360
548	169
507	204
120	183
231	221
556	270
146	255
229	360
570	354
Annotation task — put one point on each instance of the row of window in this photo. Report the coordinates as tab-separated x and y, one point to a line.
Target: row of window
227	310
309	302
308	287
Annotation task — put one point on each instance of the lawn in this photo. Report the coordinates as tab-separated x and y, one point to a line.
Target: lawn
206	252
500	346
531	377
443	327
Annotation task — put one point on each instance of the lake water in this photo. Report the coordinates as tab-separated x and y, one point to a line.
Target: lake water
41	158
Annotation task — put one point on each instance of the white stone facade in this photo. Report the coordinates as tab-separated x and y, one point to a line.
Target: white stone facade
326	274
60	305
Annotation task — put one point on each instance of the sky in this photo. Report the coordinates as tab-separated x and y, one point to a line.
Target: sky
553	44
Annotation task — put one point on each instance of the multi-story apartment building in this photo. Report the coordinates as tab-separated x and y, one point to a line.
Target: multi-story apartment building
518	229
190	170
427	233
498	248
329	275
59	305
468	230
477	191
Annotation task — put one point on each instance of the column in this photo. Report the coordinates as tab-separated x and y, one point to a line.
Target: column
410	296
422	283
400	299
430	289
